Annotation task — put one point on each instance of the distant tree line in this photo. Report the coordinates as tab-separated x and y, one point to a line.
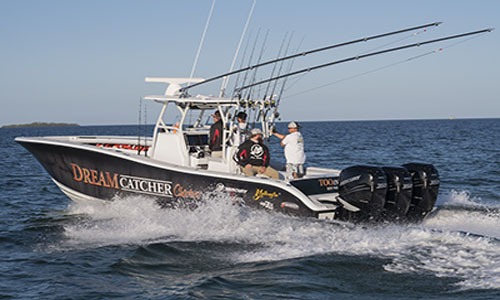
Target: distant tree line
40	124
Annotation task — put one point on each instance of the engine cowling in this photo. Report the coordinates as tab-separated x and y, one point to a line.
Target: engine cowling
364	188
426	183
406	193
399	192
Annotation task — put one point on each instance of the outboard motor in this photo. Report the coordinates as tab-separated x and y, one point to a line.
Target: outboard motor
399	192
363	188
425	189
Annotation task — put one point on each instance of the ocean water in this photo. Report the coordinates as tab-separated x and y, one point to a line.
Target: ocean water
52	248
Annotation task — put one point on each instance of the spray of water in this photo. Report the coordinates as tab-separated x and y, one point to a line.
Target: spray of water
459	243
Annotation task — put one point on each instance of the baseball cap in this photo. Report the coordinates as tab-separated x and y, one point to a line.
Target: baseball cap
293	124
216	114
256	131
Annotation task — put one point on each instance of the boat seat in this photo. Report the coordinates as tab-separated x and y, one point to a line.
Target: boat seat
221	165
170	147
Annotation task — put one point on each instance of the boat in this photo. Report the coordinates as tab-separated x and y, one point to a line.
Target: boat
174	165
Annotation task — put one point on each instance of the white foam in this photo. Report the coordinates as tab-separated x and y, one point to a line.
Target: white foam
461	212
474	260
458	198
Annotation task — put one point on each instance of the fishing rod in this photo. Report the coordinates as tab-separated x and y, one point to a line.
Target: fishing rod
276	64
250	59
275	103
254	75
437	50
256	114
290	66
243	58
270	103
202	39
282	63
365	73
226	79
357	57
365	39
261	113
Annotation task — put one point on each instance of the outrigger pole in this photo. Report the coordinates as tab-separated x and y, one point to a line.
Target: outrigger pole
357	57
365	39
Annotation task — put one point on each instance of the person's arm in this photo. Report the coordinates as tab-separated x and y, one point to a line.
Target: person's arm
285	139
214	136
266	157
279	135
242	155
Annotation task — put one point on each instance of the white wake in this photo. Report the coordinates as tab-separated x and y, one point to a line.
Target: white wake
441	245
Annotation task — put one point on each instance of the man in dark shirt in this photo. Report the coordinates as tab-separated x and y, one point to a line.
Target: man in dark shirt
215	142
253	156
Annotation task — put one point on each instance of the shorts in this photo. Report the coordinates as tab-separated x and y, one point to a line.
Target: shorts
297	169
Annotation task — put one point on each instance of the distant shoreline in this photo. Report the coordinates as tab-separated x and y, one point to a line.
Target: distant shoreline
40	124
53	124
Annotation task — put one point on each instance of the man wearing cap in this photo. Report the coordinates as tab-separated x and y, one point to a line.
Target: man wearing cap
294	150
253	156
215	142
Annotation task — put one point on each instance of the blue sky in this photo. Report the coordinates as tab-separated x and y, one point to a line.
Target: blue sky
85	61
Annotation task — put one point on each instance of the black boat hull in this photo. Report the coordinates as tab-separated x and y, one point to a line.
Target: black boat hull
107	174
357	194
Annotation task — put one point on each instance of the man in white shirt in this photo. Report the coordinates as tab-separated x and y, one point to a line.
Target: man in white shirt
294	150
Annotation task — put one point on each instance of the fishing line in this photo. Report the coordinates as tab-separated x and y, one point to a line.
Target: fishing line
370	54
402	39
377	69
425	30
358	75
463	41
